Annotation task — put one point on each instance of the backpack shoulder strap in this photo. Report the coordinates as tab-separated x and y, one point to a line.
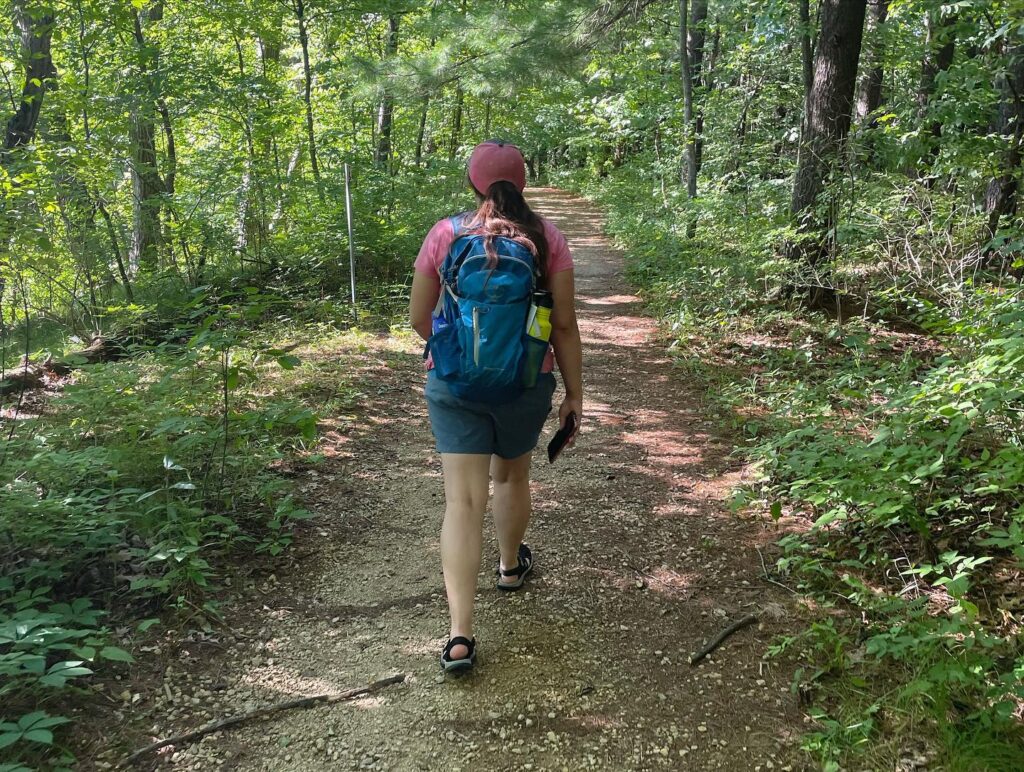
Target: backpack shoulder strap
458	222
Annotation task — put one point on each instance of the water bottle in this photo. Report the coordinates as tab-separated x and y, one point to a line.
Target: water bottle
538	333
539	321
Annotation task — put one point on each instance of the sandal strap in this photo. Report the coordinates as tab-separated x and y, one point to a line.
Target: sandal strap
524	559
519	570
458	640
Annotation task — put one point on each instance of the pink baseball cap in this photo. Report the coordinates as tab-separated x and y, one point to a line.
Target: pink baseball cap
495	161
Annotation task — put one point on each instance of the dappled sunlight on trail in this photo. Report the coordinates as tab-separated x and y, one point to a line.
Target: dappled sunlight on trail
639	561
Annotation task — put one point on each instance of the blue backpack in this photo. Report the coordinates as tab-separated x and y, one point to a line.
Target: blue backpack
479	343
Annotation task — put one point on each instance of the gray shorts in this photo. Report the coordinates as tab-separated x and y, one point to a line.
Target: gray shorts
508	430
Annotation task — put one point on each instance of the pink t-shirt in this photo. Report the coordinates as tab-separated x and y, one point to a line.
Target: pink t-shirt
440	238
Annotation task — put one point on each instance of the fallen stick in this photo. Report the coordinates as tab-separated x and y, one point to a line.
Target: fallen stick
717	640
767	577
224	723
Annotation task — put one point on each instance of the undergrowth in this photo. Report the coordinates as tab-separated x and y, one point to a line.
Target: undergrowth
126	495
122	503
892	455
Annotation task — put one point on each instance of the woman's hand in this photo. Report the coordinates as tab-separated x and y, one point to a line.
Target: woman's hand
571	405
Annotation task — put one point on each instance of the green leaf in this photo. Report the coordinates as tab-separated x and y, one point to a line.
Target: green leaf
9	738
42	736
116	654
288	362
776	510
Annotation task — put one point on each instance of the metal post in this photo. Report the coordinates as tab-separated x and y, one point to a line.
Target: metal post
351	243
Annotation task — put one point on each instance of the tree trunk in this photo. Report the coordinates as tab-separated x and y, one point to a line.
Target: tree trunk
294	163
806	53
869	93
689	170
421	131
695	37
36	31
385	115
307	95
699	73
147	187
828	115
253	220
115	247
939	47
1001	196
453	150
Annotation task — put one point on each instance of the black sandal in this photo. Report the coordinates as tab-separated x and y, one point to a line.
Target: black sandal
458	665
524	565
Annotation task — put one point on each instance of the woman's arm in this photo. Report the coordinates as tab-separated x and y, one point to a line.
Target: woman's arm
425	291
565	337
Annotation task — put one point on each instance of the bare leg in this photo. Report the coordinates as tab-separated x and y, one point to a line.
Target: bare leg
511	505
465	496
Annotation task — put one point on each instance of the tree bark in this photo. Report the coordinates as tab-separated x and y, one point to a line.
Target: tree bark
453	150
1001	196
939	48
36	33
253	219
806	53
700	74
385	116
689	169
147	186
421	131
307	95
828	115
869	92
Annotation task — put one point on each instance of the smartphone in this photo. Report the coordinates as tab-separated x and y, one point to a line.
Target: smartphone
561	437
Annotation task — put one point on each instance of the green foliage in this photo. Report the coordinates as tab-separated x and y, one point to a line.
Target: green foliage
898	453
901	452
138	483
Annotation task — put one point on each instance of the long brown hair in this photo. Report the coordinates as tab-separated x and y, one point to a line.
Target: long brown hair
504	212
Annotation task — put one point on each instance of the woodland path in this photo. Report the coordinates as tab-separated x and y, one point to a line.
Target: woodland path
639	562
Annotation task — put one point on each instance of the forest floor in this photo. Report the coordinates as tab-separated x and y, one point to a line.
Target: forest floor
639	562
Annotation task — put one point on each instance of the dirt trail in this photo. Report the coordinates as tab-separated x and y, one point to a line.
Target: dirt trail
639	563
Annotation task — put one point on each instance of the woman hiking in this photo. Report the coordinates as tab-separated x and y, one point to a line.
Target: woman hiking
488	432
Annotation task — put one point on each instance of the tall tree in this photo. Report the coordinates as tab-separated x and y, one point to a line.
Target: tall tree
421	130
806	52
147	186
939	49
1002	194
689	167
456	138
385	114
869	92
34	25
829	106
700	73
300	9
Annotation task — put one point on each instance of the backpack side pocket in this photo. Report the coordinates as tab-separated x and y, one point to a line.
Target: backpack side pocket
534	352
446	352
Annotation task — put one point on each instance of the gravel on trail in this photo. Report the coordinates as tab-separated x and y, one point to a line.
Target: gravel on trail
639	563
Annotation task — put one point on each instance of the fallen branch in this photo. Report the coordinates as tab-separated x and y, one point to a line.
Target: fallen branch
224	723
717	641
31	375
